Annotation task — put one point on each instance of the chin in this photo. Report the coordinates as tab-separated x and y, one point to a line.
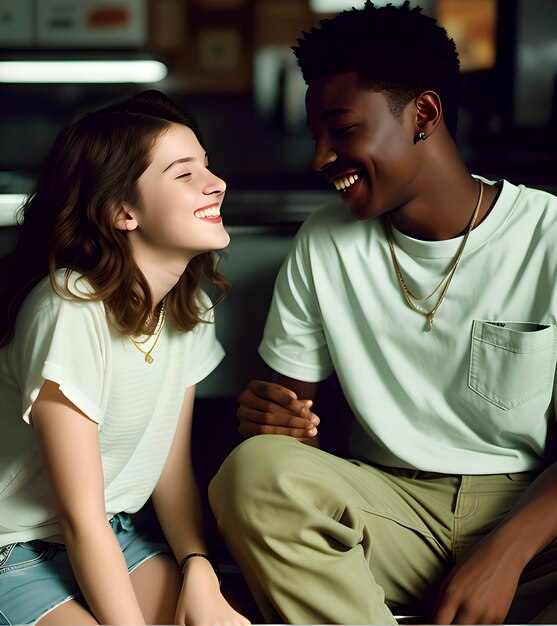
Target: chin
225	240
218	243
362	213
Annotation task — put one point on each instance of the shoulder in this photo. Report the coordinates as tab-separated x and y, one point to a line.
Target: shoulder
533	211
205	312
331	222
199	346
68	294
66	287
75	284
543	202
527	199
205	304
326	218
333	226
521	214
528	225
525	193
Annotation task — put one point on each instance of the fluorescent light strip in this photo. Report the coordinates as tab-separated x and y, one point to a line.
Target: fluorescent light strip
131	71
9	206
334	6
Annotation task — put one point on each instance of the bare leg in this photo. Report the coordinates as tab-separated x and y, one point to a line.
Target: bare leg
70	612
157	585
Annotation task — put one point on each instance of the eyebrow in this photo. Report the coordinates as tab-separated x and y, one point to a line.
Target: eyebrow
333	113
183	160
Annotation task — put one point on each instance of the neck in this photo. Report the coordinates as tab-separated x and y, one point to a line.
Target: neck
443	198
161	269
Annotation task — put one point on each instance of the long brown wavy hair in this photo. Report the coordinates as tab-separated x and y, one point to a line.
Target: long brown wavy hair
68	220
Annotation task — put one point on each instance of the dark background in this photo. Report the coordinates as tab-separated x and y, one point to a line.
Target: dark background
251	108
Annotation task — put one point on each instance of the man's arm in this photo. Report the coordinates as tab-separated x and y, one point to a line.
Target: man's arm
282	407
481	589
70	444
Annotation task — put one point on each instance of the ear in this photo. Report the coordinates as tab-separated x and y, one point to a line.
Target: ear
428	114
124	220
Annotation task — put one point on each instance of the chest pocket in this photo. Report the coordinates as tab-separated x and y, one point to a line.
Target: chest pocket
511	362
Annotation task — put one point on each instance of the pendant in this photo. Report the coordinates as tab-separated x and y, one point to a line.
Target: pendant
149	359
430	320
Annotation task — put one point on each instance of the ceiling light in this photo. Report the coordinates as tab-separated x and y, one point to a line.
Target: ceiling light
122	71
9	207
334	6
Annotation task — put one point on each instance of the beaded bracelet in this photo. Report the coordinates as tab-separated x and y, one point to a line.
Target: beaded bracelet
214	565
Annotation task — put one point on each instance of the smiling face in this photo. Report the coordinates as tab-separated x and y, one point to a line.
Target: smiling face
179	199
366	152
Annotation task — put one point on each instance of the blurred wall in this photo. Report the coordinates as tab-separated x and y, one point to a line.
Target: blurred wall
229	62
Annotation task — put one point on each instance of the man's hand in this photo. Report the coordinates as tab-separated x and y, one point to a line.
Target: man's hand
479	590
271	409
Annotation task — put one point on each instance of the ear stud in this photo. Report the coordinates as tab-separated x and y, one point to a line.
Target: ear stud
419	137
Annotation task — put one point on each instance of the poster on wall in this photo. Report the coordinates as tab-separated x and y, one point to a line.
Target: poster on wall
219	49
92	23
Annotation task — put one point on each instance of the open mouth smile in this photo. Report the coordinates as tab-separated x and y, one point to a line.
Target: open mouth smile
342	183
210	213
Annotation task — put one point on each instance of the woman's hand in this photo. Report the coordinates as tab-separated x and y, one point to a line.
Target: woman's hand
201	602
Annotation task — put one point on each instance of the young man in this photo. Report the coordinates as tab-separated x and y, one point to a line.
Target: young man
431	294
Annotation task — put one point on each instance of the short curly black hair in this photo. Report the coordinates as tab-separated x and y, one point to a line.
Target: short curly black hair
398	51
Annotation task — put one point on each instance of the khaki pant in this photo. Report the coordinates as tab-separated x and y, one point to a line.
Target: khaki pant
321	539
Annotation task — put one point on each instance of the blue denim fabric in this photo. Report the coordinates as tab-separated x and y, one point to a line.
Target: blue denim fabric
36	576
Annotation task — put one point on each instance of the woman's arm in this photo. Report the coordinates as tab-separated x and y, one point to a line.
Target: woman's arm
177	505
70	444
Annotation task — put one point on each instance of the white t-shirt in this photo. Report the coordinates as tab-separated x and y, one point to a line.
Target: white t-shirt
136	405
473	395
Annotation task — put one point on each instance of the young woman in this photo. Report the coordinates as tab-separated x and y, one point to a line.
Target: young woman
104	333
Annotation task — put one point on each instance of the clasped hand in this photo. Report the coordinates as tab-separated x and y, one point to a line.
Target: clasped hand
271	409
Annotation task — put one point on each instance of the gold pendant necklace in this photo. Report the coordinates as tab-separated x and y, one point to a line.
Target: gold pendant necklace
408	295
156	334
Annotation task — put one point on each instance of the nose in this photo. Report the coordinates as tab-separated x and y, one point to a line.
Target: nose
214	185
323	156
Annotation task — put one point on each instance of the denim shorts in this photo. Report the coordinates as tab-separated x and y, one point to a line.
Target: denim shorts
36	576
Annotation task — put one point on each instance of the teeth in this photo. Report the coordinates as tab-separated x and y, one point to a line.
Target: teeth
212	212
344	182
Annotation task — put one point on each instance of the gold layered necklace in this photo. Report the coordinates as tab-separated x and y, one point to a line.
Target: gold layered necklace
155	337
410	298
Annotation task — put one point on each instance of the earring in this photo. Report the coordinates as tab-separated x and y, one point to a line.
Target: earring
419	137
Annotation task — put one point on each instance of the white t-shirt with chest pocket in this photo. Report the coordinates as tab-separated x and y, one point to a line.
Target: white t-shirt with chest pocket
472	396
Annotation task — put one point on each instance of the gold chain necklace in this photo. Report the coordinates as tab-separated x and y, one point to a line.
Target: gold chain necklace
156	334
157	327
408	295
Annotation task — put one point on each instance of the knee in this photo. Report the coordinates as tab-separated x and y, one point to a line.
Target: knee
253	469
